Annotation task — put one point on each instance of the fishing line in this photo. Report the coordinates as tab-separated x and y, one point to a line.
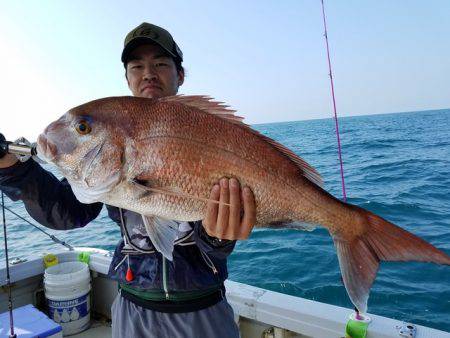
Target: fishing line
8	279
52	237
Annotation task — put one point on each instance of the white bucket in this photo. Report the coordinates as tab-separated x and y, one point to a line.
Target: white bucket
67	287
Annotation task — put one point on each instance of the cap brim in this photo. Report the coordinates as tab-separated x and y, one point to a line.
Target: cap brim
133	44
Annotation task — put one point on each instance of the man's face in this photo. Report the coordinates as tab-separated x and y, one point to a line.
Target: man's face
151	73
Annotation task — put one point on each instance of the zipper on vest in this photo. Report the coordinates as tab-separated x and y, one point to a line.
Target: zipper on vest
165	285
209	262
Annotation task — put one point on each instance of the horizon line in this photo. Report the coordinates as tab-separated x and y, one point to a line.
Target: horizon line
348	116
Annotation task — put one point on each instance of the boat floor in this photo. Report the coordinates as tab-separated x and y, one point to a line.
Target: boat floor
98	329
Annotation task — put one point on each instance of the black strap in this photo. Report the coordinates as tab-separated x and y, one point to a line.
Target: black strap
169	306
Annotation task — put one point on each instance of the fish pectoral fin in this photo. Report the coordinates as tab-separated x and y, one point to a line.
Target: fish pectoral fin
172	191
162	233
149	186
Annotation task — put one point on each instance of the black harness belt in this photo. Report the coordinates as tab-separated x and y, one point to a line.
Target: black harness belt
177	306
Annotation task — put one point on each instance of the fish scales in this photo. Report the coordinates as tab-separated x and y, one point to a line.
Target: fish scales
205	154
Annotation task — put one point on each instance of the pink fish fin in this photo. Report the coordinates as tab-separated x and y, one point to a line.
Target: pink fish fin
207	104
162	233
382	241
172	191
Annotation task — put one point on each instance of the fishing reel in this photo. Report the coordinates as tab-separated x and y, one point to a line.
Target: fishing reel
22	148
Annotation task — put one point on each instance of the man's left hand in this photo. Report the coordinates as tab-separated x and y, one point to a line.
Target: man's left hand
225	222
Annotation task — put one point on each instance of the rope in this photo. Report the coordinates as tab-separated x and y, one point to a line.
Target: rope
334	103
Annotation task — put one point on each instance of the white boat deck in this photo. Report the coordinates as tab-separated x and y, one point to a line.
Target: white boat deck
259	312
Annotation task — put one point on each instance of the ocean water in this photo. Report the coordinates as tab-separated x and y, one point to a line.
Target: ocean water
396	165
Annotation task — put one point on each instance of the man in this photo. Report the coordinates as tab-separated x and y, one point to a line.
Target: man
157	298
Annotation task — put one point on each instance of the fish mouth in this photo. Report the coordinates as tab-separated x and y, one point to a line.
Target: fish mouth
46	150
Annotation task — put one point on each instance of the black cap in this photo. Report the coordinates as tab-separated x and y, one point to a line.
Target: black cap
145	33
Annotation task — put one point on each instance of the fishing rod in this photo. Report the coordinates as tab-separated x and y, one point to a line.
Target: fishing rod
19	148
357	320
334	102
8	279
22	148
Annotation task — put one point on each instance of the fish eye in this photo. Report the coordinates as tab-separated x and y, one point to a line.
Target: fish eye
83	127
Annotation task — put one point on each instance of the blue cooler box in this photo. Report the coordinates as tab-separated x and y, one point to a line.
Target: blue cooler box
29	322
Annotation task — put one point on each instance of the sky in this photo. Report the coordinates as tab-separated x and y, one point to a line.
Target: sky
266	59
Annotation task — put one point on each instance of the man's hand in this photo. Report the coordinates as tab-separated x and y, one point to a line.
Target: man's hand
6	160
223	221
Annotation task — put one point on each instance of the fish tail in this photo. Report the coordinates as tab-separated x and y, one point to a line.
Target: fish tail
359	258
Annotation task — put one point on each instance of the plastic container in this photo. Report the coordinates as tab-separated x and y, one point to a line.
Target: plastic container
29	322
67	288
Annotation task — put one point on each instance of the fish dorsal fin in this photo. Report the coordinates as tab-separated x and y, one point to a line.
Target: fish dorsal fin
208	105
